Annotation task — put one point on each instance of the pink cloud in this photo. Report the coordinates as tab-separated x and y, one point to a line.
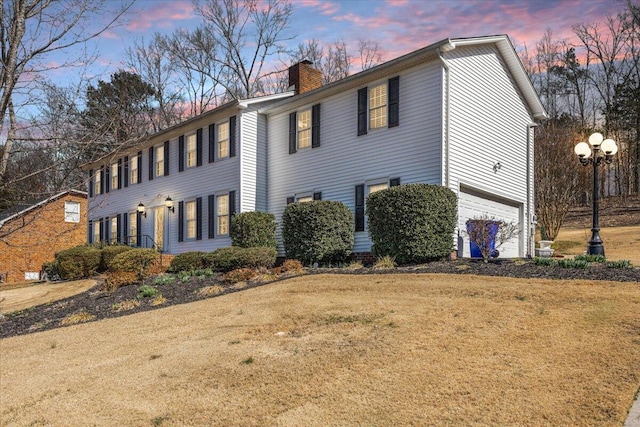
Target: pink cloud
322	7
161	17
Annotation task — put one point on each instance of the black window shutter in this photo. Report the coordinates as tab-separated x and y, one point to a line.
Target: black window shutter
211	223
150	163
180	221
125	228
126	171
317	196
232	136
290	200
101	229
315	126
292	133
166	158
119	174
212	143
394	182
138	229
91	184
180	153
90	232
199	218
107	229
359	207
139	167
118	228
362	111
199	147
232	205
101	179
107	178
394	101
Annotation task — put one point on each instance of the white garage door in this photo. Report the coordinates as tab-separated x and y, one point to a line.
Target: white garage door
474	205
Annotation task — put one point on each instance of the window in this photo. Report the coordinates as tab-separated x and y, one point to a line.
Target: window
96	231
191	151
223	214
360	198
159	152
223	140
133	229
378	106
71	212
191	219
113	230
304	129
114	176
97	188
377	187
133	171
304	199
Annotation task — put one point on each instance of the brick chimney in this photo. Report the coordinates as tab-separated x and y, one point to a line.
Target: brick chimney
303	77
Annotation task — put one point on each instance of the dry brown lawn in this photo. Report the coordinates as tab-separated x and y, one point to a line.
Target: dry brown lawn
619	242
342	350
23	297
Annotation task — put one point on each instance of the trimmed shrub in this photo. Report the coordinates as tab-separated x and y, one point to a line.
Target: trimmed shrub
253	229
413	223
78	263
137	260
234	257
291	265
109	253
319	231
188	261
240	275
117	279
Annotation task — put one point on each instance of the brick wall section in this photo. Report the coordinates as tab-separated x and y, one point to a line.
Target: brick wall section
37	235
304	77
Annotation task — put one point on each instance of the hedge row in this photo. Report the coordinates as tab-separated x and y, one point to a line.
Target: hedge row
225	259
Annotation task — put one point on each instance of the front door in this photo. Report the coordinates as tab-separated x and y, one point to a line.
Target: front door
158	228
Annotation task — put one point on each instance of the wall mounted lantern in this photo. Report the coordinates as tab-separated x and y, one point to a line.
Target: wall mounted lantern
141	210
168	202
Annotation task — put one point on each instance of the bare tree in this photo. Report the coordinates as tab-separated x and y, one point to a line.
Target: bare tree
369	55
33	29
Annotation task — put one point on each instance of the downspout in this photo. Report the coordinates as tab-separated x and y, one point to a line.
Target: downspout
531	221
447	71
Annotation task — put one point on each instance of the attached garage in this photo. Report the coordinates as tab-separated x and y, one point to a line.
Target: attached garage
474	204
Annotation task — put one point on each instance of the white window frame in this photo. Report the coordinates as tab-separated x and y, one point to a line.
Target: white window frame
96	183
133	229
96	231
378	102
114	176
191	154
159	160
222	140
113	229
133	168
303	129
190	219
71	211
222	215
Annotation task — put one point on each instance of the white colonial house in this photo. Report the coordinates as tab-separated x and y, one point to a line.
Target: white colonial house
458	113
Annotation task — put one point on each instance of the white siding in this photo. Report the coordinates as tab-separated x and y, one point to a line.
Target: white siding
489	124
248	161
411	151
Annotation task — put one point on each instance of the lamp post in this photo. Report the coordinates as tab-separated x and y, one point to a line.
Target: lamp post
597	151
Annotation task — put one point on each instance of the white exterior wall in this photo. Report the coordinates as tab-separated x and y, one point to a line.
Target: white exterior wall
412	151
489	123
248	160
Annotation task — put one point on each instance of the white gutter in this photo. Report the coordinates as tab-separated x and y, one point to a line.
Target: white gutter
531	235
446	48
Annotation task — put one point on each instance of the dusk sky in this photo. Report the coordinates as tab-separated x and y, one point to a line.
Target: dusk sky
399	26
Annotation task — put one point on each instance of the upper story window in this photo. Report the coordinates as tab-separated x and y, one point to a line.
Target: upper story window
71	212
159	163
133	169
97	188
379	106
114	176
223	140
191	151
304	129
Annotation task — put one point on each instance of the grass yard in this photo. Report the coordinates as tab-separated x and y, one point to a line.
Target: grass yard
619	242
343	350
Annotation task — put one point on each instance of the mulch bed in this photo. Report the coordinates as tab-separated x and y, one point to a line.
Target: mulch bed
102	305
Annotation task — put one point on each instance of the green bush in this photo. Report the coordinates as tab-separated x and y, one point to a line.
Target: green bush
109	253
78	263
234	257
623	263
136	260
543	261
146	291
188	261
253	229
573	263
413	223
318	231
591	258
